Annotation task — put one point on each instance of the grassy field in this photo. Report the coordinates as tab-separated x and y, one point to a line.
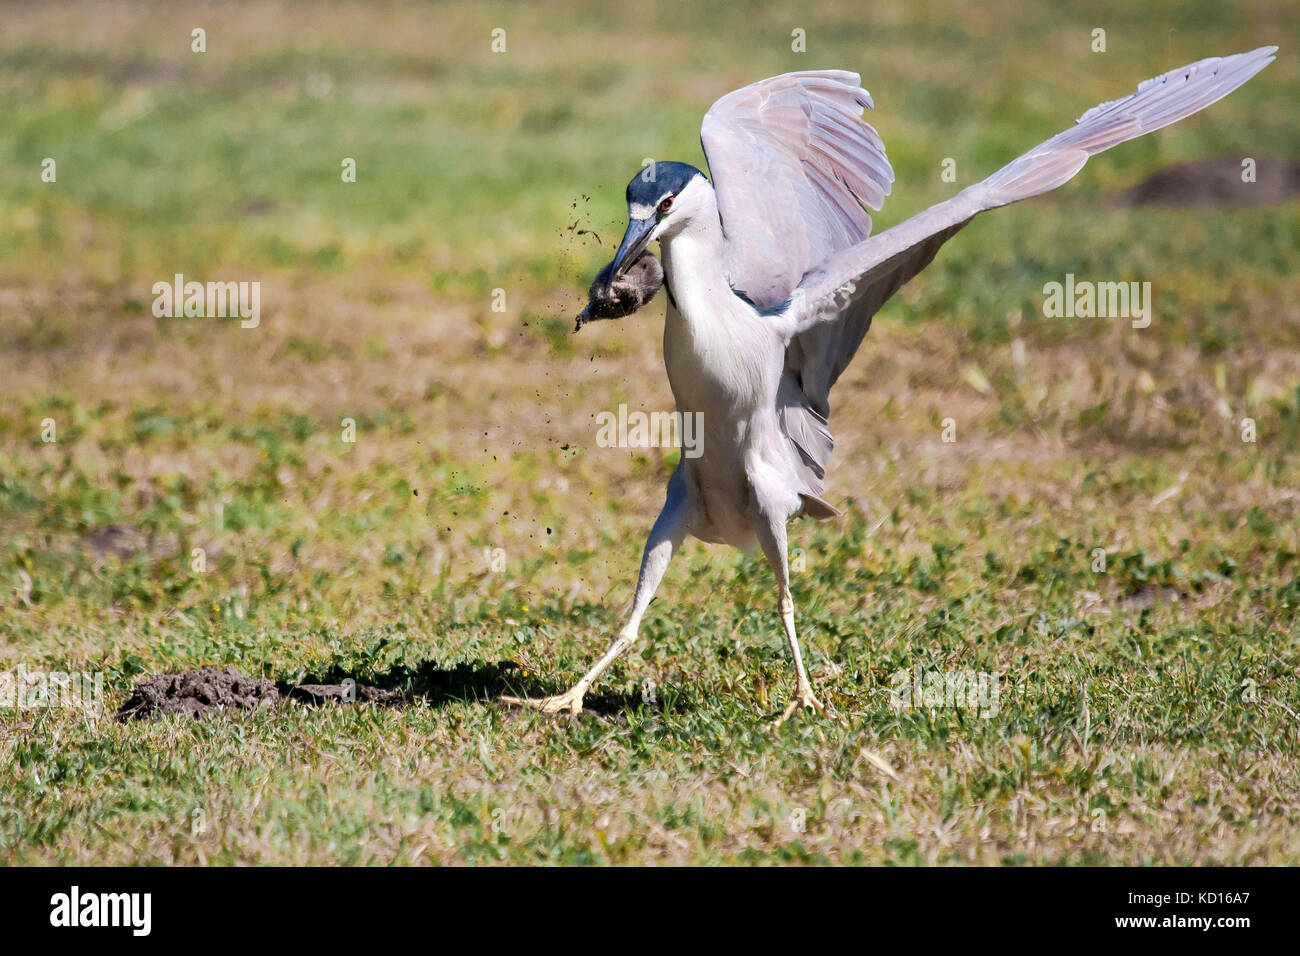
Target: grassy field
474	539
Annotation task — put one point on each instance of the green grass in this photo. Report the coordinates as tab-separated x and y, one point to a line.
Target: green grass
475	539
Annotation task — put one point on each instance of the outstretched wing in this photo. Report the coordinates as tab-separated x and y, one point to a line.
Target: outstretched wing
867	274
793	165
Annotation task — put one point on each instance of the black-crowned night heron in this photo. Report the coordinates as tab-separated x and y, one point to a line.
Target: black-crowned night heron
773	278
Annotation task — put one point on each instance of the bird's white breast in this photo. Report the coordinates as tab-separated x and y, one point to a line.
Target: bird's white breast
724	362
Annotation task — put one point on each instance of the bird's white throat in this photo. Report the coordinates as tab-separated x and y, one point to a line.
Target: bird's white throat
693	269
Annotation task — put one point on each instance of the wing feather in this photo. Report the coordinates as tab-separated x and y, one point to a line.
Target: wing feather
856	281
793	165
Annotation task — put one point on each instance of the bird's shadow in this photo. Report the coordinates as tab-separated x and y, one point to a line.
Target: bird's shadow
475	681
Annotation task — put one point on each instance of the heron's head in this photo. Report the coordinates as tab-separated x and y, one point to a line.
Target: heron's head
661	200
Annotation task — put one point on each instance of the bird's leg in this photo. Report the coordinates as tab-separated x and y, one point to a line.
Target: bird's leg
803	692
571	699
771	535
665	537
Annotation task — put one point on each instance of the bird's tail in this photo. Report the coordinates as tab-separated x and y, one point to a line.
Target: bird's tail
1158	102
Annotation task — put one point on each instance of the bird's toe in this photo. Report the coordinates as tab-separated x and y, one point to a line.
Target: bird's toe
803	700
561	703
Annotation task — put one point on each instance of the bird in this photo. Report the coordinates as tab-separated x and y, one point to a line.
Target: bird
773	277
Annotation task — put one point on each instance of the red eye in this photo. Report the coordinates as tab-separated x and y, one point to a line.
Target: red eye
666	204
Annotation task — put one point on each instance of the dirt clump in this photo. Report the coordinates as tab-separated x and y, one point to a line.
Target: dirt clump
215	690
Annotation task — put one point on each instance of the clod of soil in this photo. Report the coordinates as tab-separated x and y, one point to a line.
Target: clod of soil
213	690
199	693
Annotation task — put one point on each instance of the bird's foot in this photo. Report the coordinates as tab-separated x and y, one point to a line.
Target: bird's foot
568	702
803	700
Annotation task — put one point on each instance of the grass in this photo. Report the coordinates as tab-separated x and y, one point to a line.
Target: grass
475	538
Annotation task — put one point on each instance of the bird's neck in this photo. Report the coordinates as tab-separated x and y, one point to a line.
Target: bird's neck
693	268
